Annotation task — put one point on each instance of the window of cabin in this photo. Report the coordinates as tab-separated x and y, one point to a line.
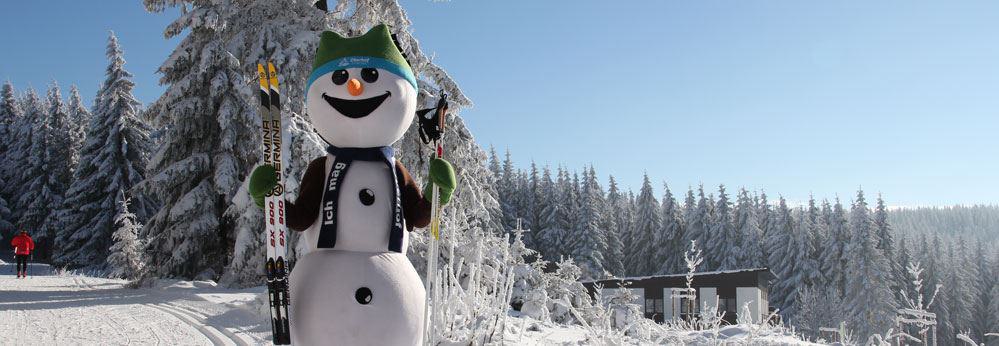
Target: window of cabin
688	308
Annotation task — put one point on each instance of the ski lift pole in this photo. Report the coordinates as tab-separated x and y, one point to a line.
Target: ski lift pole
432	131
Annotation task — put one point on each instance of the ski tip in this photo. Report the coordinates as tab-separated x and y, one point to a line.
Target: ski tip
273	73
262	76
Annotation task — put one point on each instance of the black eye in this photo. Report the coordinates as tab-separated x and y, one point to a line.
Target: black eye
363	295
369	75
340	77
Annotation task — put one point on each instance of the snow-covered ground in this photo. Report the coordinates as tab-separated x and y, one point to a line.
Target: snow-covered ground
71	309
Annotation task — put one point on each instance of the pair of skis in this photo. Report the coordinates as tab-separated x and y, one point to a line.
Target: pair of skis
276	266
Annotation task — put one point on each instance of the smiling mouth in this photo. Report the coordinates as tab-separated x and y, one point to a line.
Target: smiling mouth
356	109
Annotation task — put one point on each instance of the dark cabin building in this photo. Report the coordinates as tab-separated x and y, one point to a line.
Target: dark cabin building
662	296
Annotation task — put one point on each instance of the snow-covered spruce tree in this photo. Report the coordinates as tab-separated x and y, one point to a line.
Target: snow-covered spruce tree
112	161
641	255
825	214
700	221
507	193
10	118
537	200
525	204
60	154
817	233
560	231
39	192
614	257
799	271
886	243
724	243
958	293
994	292
833	261
983	280
869	301
904	259
126	258
689	210
589	252
207	146
7	229
809	237
494	167
779	246
763	211
936	275
671	239
80	118
542	235
747	228
284	33
25	112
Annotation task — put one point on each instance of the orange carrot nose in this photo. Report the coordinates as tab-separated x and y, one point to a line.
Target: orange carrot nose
354	87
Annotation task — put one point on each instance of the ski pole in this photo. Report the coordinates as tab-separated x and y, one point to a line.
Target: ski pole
432	130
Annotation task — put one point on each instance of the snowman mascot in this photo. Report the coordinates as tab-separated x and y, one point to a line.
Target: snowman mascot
354	285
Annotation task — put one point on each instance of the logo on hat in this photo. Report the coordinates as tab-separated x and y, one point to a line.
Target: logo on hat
353	60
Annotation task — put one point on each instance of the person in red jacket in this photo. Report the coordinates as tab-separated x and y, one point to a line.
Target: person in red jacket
23	245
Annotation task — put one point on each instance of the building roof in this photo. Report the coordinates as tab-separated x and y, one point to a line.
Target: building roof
636	278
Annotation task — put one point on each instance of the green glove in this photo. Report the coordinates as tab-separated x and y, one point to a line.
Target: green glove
441	174
262	180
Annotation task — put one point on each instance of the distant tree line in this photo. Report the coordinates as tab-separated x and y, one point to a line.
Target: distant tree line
847	257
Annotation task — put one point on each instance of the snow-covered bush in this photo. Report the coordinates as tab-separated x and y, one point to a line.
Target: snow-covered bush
473	287
565	292
536	304
624	313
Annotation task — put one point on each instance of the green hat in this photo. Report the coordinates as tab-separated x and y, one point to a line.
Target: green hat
374	49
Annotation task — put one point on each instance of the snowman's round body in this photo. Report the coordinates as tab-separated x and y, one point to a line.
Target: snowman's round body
361	95
356	298
357	293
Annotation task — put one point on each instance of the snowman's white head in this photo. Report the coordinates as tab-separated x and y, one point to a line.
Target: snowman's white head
361	93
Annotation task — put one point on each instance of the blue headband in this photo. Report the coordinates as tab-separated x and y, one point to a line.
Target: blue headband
360	62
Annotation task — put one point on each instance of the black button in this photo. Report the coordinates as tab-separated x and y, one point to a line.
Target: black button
367	197
363	295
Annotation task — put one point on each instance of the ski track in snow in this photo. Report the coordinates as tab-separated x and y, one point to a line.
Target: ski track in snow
80	310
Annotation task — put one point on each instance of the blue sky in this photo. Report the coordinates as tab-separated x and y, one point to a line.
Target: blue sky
792	97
